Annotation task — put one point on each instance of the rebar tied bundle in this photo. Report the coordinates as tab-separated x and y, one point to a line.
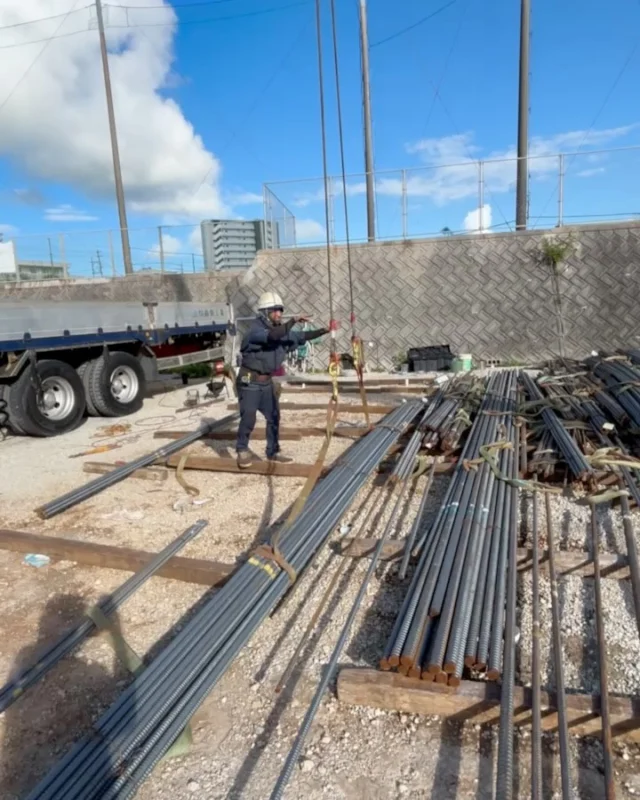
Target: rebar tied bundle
453	613
138	729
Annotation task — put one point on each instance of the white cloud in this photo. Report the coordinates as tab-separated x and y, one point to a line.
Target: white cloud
67	213
245	199
477	222
170	245
450	168
55	123
195	241
589	173
308	230
7	231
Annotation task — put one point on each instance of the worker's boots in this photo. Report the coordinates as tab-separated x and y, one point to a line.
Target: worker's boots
280	459
245	459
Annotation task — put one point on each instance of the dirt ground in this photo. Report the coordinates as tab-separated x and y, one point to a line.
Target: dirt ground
243	732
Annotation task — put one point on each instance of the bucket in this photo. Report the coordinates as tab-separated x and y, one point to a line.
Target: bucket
462	363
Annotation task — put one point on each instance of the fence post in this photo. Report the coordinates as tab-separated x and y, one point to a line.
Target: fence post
265	214
560	190
161	243
332	227
480	196
405	212
63	257
112	255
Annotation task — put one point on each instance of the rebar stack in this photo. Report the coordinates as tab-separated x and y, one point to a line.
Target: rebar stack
460	580
622	381
133	735
571	453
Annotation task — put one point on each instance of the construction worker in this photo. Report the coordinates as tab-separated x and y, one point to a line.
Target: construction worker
264	350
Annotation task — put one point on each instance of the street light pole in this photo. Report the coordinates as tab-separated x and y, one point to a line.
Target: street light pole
523	119
368	135
117	172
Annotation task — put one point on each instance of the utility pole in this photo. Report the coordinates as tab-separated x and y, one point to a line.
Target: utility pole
368	136
117	172
99	262
523	119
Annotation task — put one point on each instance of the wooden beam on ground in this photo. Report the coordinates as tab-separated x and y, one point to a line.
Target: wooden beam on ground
373	389
90	554
145	474
612	565
480	701
259	434
212	464
343	408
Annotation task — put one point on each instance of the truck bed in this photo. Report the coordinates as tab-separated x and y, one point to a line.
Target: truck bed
26	326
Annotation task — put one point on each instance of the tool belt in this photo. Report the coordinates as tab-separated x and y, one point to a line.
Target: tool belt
249	376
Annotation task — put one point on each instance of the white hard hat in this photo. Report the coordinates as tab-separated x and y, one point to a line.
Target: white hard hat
269	300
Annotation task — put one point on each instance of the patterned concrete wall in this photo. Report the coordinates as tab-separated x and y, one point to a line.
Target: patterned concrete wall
492	296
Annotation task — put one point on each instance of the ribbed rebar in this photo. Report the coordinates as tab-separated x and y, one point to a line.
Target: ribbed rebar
97	485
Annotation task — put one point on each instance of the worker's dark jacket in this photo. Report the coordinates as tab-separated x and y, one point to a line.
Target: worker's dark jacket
262	355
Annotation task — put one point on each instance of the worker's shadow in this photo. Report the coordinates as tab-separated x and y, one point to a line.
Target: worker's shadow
40	726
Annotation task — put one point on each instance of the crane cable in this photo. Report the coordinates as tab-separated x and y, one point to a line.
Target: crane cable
356	341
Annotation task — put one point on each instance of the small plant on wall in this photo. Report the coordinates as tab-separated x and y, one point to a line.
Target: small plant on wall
554	253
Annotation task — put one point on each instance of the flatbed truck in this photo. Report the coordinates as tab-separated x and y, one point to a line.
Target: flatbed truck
62	361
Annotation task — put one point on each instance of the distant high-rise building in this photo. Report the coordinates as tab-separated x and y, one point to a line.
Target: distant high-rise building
233	243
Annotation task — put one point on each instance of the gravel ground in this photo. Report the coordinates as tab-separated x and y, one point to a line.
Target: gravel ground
244	730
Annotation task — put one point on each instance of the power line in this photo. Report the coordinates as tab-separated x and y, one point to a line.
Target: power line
173	5
446	65
608	95
260	96
43	19
415	25
37	58
175	22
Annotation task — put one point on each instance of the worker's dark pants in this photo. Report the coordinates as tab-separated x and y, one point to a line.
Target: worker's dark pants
262	397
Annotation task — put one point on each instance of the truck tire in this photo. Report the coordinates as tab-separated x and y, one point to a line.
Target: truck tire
61	407
117	384
5	418
84	371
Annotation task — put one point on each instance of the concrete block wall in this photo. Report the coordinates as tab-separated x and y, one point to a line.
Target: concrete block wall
489	295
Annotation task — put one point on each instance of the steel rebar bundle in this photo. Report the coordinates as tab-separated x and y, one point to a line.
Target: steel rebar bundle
400	477
622	381
571	453
437	629
96	486
16	687
132	736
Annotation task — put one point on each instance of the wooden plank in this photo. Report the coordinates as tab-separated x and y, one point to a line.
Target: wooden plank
612	565
145	474
259	434
212	464
373	389
479	701
343	408
190	570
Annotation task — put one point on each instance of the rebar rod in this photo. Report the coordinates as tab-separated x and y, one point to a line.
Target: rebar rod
536	726
632	551
96	486
16	687
506	731
402	573
329	672
561	701
187	669
605	712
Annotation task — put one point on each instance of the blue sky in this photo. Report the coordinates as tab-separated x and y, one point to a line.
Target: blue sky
247	83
